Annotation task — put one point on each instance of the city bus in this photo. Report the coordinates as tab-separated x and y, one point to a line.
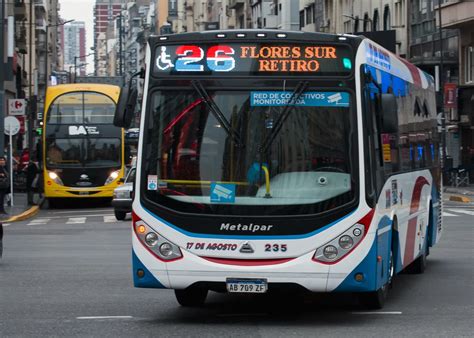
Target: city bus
82	149
271	160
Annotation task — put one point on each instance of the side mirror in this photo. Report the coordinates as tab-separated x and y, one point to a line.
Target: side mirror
121	180
127	103
125	107
389	113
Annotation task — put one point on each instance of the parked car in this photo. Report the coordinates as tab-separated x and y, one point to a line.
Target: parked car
123	196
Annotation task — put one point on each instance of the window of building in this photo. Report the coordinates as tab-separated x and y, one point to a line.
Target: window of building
366	23
301	19
469	64
309	14
423	6
375	21
356	24
387	24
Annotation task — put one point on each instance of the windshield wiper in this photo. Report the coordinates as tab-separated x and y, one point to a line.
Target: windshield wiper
299	90
197	85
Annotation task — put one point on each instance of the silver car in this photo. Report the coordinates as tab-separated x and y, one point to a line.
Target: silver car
123	196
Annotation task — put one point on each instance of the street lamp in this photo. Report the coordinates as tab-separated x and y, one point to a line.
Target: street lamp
75	63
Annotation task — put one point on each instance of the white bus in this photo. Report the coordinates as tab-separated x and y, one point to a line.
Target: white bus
271	159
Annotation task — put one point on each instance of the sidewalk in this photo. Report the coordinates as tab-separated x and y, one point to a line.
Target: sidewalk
20	211
459	194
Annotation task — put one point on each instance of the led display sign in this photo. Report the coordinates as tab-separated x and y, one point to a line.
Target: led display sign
253	59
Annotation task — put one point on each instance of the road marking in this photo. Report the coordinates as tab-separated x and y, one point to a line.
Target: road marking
467	212
447	214
109	219
38	221
63	217
6	224
104	317
76	220
80	211
377	313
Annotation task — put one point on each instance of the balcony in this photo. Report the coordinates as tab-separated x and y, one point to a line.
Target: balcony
40	5
236	4
20	10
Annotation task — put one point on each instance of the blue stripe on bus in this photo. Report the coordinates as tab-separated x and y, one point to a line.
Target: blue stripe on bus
148	280
368	268
197	235
384	244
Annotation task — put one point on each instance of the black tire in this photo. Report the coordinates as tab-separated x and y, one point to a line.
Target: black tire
191	296
120	215
376	300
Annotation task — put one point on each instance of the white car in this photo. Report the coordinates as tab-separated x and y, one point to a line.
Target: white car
123	196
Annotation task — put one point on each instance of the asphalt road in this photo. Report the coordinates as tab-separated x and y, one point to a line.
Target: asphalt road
68	273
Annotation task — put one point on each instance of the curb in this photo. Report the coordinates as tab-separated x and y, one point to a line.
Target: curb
24	215
458	198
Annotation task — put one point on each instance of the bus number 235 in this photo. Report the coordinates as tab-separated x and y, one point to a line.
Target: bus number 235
275	247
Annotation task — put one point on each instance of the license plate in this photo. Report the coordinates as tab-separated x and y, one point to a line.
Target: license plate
83	193
247	285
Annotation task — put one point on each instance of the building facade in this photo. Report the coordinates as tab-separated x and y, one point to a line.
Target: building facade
459	15
105	13
74	52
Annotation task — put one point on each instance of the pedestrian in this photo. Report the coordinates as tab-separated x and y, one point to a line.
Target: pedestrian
32	178
4	183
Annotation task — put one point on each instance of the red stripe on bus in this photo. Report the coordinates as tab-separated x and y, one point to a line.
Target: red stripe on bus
248	262
412	223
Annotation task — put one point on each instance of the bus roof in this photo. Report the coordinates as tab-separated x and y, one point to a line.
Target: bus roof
54	91
255	35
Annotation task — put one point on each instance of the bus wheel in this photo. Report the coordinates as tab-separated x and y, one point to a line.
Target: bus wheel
192	296
120	215
376	300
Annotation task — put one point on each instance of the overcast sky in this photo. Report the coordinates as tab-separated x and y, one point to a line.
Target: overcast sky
81	10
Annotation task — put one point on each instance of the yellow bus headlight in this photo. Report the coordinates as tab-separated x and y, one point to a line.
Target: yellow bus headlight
55	177
112	177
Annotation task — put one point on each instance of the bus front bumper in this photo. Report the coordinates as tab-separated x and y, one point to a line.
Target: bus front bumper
301	271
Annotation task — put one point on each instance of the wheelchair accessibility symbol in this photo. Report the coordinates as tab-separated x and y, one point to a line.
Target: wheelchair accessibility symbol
163	61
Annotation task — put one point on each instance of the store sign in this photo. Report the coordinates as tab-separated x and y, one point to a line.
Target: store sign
450	95
16	107
253	59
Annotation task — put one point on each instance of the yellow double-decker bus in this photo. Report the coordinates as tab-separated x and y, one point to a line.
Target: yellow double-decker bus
83	151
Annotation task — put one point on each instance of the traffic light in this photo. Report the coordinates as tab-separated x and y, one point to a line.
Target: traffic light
39	131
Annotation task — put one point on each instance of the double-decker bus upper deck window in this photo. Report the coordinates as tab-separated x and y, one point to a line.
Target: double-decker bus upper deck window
255	59
250	151
81	108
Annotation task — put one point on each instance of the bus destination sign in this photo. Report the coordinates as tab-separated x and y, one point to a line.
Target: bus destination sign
253	59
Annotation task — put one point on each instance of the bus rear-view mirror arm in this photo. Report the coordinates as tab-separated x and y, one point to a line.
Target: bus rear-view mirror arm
127	102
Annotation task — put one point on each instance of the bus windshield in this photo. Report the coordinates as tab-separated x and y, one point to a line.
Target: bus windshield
254	152
82	152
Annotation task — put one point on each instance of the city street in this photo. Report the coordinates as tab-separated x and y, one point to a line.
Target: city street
67	272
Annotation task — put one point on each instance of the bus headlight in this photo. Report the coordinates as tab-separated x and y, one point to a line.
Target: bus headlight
159	246
337	248
151	239
112	177
55	177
